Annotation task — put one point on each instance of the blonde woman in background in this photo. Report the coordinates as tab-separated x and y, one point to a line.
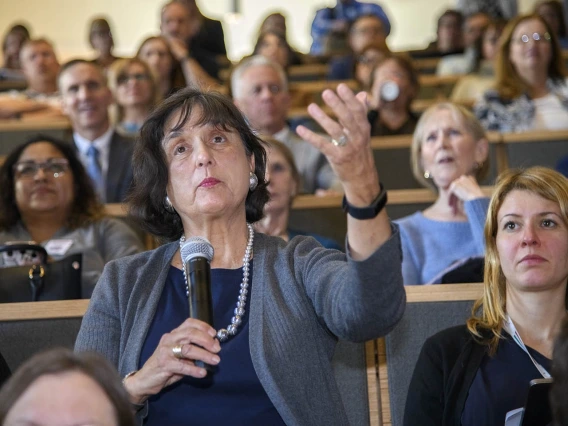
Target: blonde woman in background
135	92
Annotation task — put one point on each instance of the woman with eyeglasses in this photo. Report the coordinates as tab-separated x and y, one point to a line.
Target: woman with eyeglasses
530	91
135	91
47	197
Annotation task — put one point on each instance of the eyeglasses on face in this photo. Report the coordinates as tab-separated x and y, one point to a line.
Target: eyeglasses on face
525	38
28	169
123	79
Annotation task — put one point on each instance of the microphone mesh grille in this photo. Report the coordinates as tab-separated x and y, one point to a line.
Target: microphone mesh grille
197	247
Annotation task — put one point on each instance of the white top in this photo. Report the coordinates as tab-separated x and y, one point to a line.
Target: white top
549	114
102	143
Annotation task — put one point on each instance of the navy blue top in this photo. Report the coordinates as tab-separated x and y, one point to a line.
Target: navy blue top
232	395
501	384
324	241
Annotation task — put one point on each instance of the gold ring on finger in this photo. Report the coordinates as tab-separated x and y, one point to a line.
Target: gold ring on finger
177	352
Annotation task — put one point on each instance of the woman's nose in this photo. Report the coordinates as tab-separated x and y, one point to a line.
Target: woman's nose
203	154
530	236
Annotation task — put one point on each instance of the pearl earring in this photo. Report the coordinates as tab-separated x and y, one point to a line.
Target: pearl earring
427	175
253	181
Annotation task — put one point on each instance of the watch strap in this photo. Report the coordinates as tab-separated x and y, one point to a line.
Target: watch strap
369	212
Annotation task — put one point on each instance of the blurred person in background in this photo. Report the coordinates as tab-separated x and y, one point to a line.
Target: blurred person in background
364	30
395	84
156	52
102	41
135	92
331	25
554	15
530	84
283	185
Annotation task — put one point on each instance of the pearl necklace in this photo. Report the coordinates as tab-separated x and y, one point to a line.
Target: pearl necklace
224	333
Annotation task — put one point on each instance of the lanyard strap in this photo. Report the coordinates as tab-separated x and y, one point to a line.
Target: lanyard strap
510	328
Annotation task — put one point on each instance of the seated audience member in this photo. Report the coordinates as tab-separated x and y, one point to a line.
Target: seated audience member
283	185
200	171
553	14
276	23
395	85
59	387
449	37
482	76
449	154
463	63
4	371
106	154
41	98
497	9
364	30
48	198
366	62
11	45
559	389
156	52
178	27
330	25
273	45
207	42
475	373
260	90
135	92
530	87
101	40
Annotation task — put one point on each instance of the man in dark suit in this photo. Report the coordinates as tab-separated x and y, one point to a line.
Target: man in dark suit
107	155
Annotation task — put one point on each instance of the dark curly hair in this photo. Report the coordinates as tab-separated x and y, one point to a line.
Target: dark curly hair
146	202
86	207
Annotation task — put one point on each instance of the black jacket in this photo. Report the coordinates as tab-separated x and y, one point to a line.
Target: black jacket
442	377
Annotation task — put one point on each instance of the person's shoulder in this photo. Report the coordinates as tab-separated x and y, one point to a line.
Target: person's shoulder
410	221
144	260
449	341
122	138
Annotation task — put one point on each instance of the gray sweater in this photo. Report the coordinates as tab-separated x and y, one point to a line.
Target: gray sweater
303	298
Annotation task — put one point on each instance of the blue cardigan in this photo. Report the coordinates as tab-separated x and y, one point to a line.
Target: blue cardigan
430	246
303	298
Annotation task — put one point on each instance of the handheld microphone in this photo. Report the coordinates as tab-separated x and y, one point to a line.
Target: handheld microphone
197	253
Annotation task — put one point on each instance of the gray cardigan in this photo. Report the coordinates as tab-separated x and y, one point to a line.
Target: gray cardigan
303	298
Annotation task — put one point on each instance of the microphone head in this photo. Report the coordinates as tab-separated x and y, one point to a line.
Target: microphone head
197	247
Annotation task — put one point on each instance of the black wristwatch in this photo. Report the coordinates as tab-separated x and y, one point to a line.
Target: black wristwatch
368	212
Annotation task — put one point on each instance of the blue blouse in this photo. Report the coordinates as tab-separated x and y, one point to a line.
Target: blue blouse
232	394
501	384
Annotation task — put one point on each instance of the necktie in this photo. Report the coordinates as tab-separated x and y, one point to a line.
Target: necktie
95	172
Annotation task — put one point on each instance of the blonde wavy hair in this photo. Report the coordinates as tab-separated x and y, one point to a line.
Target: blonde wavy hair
488	313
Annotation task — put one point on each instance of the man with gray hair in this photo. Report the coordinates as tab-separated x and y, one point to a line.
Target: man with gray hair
260	90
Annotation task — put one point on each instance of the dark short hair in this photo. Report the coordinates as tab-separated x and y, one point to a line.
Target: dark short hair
560	373
99	24
150	165
20	29
452	13
70	64
86	207
60	361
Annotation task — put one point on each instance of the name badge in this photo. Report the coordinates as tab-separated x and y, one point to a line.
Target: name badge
58	247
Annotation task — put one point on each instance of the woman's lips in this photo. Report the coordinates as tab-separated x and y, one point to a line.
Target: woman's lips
209	182
532	259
